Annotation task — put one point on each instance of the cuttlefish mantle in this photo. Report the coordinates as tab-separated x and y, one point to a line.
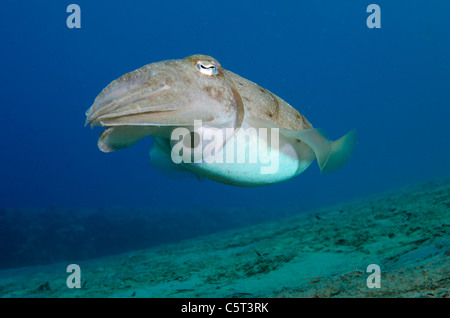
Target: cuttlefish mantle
213	123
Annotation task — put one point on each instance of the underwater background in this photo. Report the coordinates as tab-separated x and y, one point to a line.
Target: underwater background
62	199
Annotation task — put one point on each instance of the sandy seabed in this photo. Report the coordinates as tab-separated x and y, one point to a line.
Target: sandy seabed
323	253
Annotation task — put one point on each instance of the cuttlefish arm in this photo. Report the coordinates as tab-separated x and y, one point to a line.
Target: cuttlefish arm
121	137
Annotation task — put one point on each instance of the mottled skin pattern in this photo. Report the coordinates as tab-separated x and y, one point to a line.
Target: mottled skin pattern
235	95
262	105
159	97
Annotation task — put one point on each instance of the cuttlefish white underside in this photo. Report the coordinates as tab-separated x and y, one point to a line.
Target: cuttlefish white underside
159	98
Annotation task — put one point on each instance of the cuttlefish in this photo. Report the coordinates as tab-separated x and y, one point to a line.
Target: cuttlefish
213	123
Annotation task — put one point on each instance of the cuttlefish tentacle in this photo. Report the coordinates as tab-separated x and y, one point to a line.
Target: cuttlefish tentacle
159	98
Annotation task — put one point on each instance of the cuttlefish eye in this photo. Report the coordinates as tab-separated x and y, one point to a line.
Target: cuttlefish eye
207	68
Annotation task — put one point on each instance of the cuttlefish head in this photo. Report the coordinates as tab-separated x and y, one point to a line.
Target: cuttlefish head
165	94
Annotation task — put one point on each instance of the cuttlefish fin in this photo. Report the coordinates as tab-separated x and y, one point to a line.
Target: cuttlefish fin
161	160
331	155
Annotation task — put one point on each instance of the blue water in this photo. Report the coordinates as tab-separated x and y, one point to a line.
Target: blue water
391	84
